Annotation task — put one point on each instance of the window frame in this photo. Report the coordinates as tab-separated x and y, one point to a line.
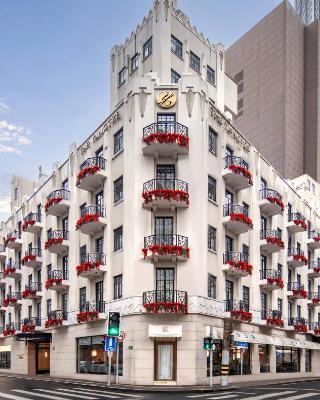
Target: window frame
118	142
212	286
117	287
118	240
211	71
212	238
176	44
147	46
134	61
173	72
122	76
212	182
213	141
195	61
116	183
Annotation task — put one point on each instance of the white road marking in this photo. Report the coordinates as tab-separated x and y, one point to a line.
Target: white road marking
67	394
47	396
302	396
12	397
268	396
226	396
93	393
114	393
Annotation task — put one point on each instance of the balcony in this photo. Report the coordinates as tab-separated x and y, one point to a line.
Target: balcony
58	203
58	242
313	240
296	291
13	270
165	139
271	241
32	223
92	220
32	291
296	223
270	279
236	173
235	219
166	247
56	319
297	324
92	174
91	311
236	264
296	258
58	280
30	325
10	329
270	202
2	252
13	241
313	299
165	302
12	300
165	194
272	318
32	258
313	269
314	328
92	265
238	310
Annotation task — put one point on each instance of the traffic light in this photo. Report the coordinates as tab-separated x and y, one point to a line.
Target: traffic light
114	324
207	343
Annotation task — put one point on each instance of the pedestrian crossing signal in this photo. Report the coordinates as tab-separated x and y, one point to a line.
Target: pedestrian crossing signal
207	343
114	324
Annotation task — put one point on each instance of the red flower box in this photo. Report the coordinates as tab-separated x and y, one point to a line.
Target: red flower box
276	281
88	266
9	239
165	194
7	301
241	218
300	257
316	238
27	258
300	293
9	270
87	171
277	201
300	328
278	242
316	269
28	293
241	315
316	332
167	250
87	218
87	316
54	200
52	242
27	223
316	300
28	328
237	169
301	222
275	322
167	138
50	282
240	266
170	307
9	332
53	322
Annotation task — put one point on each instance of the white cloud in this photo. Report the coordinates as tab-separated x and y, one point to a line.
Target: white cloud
5	204
4	107
12	136
9	149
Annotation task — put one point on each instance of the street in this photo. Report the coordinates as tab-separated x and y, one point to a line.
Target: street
18	387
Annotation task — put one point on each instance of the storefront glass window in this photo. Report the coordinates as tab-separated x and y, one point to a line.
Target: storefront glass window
92	359
5	358
240	361
308	360
216	358
264	358
288	359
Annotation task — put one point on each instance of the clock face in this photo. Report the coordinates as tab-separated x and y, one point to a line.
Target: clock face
166	99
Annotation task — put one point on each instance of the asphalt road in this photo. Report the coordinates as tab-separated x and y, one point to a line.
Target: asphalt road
17	387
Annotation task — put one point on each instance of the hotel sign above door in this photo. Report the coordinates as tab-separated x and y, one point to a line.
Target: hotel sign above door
165	330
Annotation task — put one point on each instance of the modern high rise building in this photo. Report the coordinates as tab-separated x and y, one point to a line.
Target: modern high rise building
276	67
169	216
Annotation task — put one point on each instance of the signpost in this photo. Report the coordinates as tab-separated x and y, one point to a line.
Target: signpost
209	346
111	344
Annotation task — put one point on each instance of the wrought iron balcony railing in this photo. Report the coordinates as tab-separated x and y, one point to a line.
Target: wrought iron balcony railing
270	273
88	306
58	274
59	194
58	315
238	161
237	305
295	286
12	326
313	295
94	162
92	257
165	128
271	314
296	217
33	321
165	240
34	252
266	192
14	295
270	233
235	257
92	210
59	234
165	184
34	286
234	209
165	296
313	264
14	234
297	321
295	252
314	326
14	264
32	217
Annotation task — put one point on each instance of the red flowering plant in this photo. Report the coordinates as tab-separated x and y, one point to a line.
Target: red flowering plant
275	322
300	293
28	293
53	322
9	301
240	266
300	328
278	242
316	332
316	269
87	316
27	258
316	237
52	242
316	300
9	332
25	225
165	194
52	201
301	223
53	281
87	171
276	281
241	218
9	270
300	257
9	239
276	200
166	307
28	328
88	266
86	219
241	315
168	138
166	250
237	169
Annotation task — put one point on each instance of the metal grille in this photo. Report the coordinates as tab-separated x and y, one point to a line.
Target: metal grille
165	240
238	161
165	127
94	162
235	257
59	194
58	235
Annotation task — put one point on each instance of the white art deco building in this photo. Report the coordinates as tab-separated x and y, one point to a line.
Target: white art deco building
167	214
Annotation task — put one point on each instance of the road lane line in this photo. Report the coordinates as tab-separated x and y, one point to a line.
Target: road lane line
47	396
93	393
301	396
269	395
12	397
66	394
226	396
114	393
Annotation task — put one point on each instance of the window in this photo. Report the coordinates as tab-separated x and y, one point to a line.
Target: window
246	297
212	141
308	363
48	306
245	208
99	296
134	62
5	359
263	184
289	311
264	358
117	287
147	48
82	209
16	193
122	76
280	305
64	302
176	46
212	289
82	298
65	264
194	62
118	189
65	184
299	312
212	189
175	76
211	75
287	359
39	311
212	238
117	239
99	152
49	268
118	142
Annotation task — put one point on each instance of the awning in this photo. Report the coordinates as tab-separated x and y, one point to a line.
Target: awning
214	332
249	337
165	331
34	337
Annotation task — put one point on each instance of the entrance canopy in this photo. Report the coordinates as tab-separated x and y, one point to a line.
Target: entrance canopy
166	331
34	337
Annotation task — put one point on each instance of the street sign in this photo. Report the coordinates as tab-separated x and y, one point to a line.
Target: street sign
241	345
110	344
121	337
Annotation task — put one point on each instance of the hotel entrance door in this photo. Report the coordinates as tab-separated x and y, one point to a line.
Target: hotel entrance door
165	361
42	358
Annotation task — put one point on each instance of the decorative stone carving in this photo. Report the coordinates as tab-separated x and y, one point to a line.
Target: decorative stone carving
202	99
142	101
166	9
206	306
130	101
190	100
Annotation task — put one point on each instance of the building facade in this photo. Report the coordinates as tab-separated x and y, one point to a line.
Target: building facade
168	215
276	66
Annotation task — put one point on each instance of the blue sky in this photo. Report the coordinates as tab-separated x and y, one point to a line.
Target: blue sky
54	59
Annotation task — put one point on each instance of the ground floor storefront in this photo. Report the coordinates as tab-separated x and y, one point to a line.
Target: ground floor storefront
163	349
